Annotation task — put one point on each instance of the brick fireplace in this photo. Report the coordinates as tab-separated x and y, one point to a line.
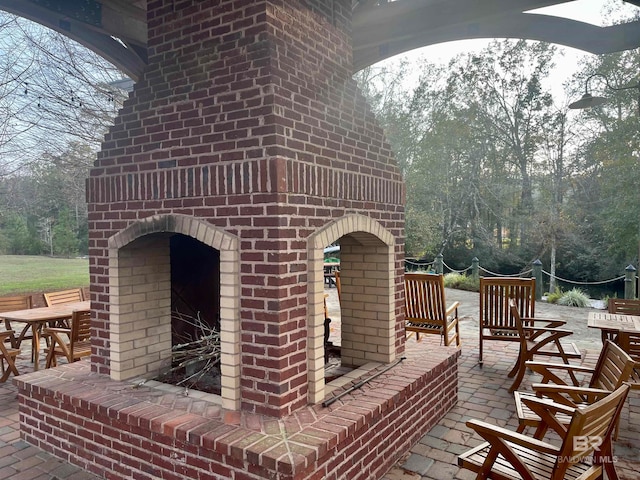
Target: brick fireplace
246	138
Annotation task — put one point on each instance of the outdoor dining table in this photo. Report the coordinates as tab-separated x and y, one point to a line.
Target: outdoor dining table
615	324
36	318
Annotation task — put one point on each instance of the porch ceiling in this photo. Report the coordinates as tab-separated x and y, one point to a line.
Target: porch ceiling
116	29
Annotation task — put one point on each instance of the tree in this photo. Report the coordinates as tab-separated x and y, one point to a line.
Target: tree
64	239
609	201
503	85
16	238
43	197
53	91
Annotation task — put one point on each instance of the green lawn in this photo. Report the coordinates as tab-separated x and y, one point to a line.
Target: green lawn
30	274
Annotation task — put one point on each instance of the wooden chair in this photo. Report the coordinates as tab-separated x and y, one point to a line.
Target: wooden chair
72	343
538	341
64	296
8	356
9	304
585	449
61	297
426	310
624	306
629	341
496	322
613	368
620	306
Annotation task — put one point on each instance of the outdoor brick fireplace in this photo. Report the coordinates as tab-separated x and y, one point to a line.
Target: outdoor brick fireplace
248	138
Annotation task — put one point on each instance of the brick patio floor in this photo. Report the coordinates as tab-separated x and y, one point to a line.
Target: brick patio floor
483	393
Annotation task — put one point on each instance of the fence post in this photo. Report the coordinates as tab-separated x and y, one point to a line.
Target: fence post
630	282
475	268
537	274
439	263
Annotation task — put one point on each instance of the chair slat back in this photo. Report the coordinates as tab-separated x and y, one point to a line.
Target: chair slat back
614	367
424	297
624	306
9	304
589	426
628	307
495	293
517	319
634	346
64	296
81	326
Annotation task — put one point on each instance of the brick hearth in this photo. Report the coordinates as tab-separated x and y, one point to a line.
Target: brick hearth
121	430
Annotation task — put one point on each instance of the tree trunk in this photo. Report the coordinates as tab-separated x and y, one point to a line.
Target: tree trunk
552	268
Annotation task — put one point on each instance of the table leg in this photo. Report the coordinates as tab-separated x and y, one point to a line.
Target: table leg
609	335
623	341
35	347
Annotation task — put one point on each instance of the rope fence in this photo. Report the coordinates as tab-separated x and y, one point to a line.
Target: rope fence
439	266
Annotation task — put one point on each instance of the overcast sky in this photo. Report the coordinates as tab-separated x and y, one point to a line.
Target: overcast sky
590	11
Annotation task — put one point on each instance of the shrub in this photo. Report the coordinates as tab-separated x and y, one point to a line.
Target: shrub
574	298
555	296
461	282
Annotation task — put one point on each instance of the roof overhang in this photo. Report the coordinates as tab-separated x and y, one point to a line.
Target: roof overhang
382	30
117	29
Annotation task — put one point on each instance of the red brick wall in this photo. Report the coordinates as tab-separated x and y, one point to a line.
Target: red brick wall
247	117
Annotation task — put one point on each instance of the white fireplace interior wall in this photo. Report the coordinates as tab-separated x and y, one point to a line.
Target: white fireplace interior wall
140	299
140	294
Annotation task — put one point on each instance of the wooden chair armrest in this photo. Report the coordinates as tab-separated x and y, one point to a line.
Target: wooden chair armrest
548	371
547	409
8	335
536	403
549	322
544	335
454	306
559	393
544	366
548	329
56	330
492	432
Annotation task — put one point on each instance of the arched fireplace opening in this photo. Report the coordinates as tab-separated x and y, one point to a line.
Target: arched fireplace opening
166	264
369	331
195	316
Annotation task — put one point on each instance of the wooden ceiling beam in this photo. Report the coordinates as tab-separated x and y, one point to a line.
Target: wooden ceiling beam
381	28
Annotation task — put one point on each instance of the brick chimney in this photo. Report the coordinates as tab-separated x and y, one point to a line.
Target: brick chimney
248	135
